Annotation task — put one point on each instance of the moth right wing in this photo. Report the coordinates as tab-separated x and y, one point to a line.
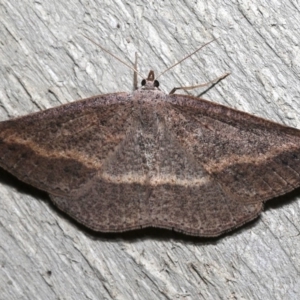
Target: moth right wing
253	159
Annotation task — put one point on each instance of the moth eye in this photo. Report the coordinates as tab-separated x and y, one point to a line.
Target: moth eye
143	82
156	83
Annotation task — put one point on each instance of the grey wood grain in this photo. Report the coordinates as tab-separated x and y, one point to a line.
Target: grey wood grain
45	61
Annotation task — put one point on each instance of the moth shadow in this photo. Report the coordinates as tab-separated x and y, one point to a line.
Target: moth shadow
23	188
283	200
153	233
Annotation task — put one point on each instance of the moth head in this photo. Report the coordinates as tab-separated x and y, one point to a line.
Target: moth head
150	83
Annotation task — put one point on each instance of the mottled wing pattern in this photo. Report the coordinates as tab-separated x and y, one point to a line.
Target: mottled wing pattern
255	159
125	161
57	150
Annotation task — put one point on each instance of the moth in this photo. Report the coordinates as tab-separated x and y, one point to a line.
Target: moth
125	161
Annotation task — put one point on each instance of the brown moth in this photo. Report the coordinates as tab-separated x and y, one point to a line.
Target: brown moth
125	161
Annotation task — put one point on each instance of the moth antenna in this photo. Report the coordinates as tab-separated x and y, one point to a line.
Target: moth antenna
114	56
184	58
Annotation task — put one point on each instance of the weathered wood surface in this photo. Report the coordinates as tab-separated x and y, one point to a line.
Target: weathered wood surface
46	62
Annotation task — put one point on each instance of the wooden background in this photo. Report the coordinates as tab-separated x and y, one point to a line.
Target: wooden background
45	61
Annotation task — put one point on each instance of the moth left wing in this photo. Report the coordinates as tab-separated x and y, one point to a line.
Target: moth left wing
58	150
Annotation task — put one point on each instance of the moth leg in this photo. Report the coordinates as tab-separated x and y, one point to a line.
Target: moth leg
214	81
